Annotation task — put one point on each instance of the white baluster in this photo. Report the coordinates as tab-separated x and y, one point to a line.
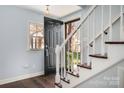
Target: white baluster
121	24
63	30
72	55
110	23
63	69
81	45
62	63
88	32
68	54
94	43
57	77
77	48
102	36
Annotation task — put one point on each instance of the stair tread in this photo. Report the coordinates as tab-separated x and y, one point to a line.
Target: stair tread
67	81
58	85
71	73
99	56
114	42
85	66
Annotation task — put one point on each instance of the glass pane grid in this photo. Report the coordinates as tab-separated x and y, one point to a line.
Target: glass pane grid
36	36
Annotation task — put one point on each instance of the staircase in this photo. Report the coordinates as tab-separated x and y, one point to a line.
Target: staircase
99	50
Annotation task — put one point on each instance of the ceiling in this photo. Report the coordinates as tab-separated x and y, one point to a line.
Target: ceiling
54	10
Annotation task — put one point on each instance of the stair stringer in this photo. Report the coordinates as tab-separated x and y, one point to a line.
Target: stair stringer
115	54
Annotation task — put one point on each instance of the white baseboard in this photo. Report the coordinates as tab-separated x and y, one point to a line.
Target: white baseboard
21	77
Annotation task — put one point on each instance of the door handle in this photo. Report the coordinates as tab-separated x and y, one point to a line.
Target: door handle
46	49
47	53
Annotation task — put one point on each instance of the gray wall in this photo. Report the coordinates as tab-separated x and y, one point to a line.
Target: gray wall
15	58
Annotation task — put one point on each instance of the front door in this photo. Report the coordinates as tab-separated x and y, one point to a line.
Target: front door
52	38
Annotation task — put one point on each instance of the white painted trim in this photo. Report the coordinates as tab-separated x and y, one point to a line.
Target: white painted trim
94	43
102	35
63	30
110	23
57	51
28	34
61	63
72	63
121	23
81	45
68	61
107	27
104	29
21	77
88	34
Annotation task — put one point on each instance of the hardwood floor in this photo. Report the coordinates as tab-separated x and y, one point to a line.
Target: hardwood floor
35	82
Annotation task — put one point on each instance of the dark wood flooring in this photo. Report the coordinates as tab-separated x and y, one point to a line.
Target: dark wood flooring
35	82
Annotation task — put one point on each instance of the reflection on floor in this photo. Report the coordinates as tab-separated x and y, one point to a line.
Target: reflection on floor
35	82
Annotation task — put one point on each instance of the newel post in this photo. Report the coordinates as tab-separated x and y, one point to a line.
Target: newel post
57	51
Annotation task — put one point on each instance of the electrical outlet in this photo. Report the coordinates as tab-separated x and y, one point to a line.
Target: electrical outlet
26	66
34	66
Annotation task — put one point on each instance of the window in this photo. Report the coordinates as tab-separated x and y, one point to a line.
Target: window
75	40
36	36
73	45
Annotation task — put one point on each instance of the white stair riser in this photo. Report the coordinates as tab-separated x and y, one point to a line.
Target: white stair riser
115	52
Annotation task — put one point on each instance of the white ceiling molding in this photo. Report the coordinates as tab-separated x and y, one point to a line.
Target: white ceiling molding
54	10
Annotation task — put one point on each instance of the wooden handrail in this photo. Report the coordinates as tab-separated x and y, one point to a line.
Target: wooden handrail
80	24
